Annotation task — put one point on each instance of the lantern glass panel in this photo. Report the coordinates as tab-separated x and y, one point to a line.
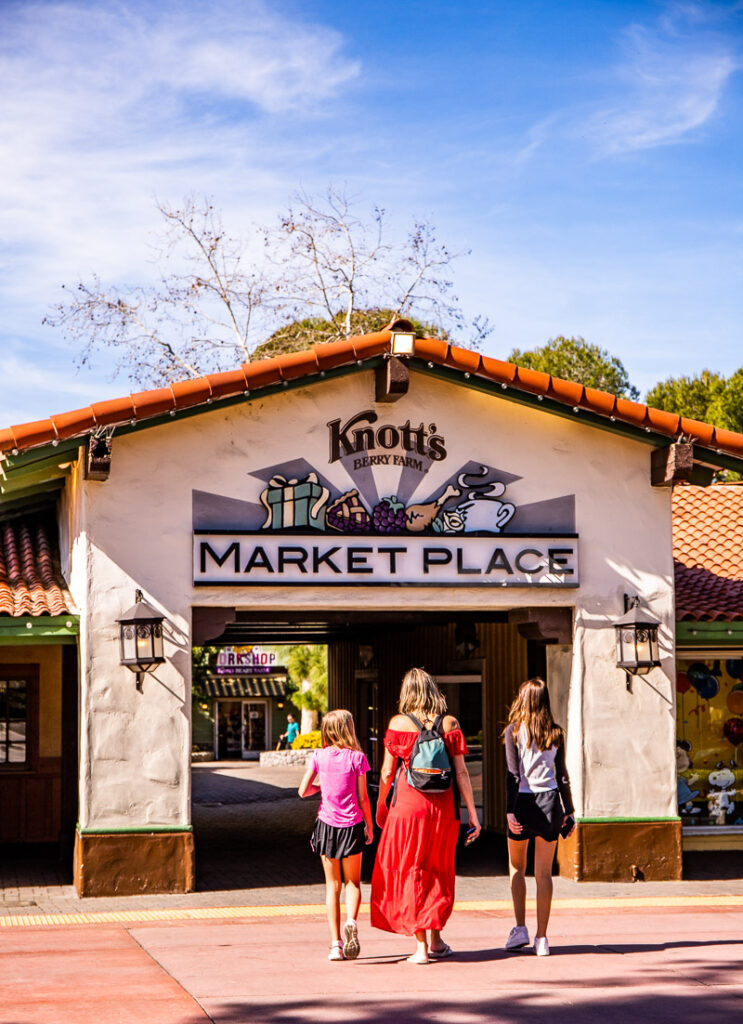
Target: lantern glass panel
128	643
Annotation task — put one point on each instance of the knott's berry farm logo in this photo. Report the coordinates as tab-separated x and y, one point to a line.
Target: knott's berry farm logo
358	435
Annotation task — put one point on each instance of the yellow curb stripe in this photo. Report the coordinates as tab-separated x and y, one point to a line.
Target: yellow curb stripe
318	909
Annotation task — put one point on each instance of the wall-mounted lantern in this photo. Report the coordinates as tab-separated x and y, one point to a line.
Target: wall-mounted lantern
637	640
141	634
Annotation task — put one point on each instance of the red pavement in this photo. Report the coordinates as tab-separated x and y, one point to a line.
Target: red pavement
681	966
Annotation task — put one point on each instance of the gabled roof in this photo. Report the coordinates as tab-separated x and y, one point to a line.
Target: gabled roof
430	353
708	552
31	582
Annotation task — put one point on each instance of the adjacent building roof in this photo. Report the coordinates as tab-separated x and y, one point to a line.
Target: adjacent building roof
708	552
31	582
315	361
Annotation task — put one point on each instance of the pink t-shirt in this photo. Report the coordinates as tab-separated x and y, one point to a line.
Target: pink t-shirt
337	769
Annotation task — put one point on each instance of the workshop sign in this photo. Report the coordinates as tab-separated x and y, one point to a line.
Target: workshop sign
373	518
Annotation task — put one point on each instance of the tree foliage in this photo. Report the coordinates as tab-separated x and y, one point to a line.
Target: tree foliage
709	397
307	665
577	360
321	273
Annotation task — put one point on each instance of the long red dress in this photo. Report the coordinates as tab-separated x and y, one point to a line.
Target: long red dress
413	877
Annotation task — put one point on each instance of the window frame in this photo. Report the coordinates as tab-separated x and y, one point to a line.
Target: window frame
30	674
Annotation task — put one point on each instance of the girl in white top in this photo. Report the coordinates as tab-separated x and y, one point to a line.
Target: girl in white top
539	804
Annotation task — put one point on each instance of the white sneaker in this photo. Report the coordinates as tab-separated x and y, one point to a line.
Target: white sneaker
541	946
336	952
518	938
351	946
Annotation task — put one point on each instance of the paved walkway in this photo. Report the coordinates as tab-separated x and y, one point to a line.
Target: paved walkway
252	850
644	964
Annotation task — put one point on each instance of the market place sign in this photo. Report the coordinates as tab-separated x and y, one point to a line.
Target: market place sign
385	527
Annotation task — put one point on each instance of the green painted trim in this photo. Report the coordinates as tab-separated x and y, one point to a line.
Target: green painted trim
23	481
39	629
613	821
47	487
702	634
43	453
133	830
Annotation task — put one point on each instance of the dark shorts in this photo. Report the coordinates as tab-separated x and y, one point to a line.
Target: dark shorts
337	842
541	814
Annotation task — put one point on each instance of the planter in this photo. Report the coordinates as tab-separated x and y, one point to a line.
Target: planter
285	758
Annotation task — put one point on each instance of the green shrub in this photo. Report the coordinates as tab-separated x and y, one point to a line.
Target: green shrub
307	740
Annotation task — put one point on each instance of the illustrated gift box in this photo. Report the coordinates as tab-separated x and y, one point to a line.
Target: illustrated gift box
295	503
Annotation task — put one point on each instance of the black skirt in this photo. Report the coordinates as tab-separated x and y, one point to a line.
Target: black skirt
336	841
540	814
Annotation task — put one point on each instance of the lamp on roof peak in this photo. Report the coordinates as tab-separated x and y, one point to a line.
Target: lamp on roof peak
402	341
141	636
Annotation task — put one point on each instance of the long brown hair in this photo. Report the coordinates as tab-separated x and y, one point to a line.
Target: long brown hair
419	692
532	710
337	730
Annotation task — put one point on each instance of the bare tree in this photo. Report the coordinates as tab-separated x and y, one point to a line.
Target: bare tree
322	273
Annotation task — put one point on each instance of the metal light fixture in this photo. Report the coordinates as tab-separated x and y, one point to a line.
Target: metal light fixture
141	635
402	340
637	640
403	343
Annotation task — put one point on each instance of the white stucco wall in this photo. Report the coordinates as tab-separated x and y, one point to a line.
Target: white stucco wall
135	530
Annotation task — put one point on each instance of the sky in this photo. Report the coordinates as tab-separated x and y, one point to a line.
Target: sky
587	154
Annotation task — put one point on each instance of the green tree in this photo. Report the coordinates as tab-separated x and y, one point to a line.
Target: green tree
708	397
688	396
307	665
302	334
575	359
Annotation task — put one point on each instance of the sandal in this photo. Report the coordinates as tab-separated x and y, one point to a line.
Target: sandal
415	959
442	953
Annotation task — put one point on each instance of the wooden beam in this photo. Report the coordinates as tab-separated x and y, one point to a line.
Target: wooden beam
672	464
392	379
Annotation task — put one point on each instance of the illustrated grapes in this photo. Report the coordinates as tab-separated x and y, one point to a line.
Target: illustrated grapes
389	516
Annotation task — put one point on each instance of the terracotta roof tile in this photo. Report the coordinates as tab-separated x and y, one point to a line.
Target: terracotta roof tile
30	578
708	552
296	365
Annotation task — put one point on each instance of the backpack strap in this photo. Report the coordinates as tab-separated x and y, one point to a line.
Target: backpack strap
438	725
415	721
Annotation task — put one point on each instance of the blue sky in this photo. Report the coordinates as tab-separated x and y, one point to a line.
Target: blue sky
588	154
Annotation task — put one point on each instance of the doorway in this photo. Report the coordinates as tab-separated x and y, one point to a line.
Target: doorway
242	729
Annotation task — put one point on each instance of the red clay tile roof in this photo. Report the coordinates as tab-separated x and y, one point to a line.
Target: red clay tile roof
30	579
708	552
292	366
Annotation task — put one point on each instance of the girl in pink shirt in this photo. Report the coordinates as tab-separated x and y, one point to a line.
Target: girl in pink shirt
344	824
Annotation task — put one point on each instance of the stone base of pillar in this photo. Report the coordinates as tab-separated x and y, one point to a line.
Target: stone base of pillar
126	863
622	851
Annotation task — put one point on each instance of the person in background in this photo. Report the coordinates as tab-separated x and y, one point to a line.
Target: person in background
344	824
292	731
539	804
413	878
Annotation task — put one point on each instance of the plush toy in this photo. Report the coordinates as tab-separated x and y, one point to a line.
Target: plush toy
720	799
683	785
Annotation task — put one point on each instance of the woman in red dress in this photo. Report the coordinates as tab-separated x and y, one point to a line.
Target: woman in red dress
413	880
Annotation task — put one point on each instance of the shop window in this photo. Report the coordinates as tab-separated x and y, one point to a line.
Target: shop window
709	741
18	688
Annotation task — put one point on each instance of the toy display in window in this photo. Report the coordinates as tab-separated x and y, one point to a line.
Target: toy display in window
709	750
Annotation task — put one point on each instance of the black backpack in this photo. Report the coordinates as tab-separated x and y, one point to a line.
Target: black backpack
429	769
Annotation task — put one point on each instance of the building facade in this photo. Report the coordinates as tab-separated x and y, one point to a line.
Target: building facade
448	510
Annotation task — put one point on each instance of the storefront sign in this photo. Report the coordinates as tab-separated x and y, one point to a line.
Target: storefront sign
234	661
385	513
249	559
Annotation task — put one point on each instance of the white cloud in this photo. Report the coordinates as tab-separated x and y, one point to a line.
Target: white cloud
106	105
671	85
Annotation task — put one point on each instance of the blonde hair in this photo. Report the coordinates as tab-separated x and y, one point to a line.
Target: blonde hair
337	730
532	710
419	692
